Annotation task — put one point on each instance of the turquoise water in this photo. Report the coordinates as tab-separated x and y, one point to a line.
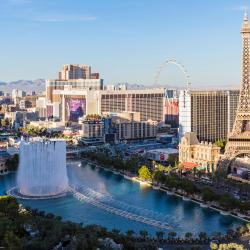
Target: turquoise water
182	216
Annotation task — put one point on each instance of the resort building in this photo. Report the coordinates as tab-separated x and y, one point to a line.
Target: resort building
202	155
210	114
75	77
74	84
114	128
76	103
49	125
131	130
172	107
131	116
74	71
148	102
92	126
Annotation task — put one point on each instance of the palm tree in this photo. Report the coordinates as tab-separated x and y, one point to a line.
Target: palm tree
194	171
217	235
103	231
159	235
248	226
130	233
202	236
116	231
230	233
172	234
12	241
188	235
180	168
240	230
143	234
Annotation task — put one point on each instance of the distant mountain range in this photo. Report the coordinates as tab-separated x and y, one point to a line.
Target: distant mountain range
131	85
26	85
38	86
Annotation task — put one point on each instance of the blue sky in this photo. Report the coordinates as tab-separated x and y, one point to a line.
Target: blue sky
124	40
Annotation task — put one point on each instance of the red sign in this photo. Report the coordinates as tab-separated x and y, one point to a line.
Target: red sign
161	156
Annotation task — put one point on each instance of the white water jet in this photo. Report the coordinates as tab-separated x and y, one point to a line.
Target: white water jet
42	168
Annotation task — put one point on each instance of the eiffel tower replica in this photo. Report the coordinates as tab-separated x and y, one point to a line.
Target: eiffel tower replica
239	139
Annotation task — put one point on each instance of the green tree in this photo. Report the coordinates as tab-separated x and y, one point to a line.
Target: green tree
12	242
240	230
188	235
188	186
225	201
231	246
172	159
221	144
12	163
130	233
144	173
172	234
220	175
208	194
132	163
5	122
158	176
202	236
116	231
216	235
159	235
213	246
172	181
143	234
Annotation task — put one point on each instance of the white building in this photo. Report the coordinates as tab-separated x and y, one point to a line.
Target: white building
18	93
161	154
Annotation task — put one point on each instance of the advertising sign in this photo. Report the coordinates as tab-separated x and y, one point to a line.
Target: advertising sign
76	108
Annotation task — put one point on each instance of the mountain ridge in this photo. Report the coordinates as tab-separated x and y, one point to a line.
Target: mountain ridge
36	85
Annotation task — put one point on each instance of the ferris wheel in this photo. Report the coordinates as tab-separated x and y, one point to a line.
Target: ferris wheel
179	65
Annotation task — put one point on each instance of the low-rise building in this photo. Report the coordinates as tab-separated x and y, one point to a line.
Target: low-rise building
134	130
202	155
92	126
161	154
49	125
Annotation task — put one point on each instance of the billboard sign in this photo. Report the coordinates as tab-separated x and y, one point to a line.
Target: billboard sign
75	108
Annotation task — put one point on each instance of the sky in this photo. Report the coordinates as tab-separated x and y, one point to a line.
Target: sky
124	40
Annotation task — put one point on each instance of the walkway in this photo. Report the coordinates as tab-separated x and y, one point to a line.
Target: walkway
77	193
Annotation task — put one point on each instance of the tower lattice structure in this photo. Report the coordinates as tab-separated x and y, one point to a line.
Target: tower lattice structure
239	139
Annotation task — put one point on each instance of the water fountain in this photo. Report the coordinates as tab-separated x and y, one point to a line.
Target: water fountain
42	169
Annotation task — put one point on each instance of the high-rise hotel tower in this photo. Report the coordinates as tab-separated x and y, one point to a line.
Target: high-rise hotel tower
209	114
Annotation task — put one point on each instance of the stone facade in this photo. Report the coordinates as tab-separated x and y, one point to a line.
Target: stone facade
204	154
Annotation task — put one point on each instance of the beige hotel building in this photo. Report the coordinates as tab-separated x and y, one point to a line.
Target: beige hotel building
149	102
79	90
210	114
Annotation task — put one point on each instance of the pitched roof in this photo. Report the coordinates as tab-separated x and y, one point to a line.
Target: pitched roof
191	138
